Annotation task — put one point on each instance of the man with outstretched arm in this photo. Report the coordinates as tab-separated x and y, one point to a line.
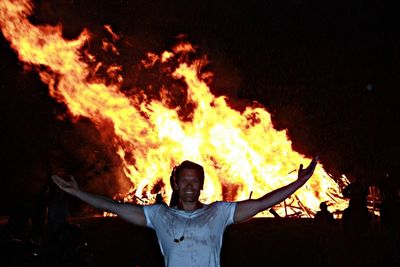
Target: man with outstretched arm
190	232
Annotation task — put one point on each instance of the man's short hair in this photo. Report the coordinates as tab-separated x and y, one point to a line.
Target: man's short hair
189	165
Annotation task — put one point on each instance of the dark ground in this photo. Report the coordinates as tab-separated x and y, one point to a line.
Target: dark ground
258	242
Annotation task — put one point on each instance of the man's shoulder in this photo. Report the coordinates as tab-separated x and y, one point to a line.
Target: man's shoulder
155	207
222	204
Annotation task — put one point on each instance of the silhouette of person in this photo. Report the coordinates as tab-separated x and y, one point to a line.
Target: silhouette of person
356	217
323	229
189	232
390	218
356	221
323	215
57	212
39	213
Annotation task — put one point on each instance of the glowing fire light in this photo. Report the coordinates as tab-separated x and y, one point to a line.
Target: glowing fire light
241	152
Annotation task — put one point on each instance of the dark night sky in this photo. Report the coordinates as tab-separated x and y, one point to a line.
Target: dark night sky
327	70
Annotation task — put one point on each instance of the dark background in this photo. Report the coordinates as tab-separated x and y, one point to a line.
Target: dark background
326	70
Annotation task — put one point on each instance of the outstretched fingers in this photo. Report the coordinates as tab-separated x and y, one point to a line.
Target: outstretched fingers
67	186
73	182
59	181
313	163
305	174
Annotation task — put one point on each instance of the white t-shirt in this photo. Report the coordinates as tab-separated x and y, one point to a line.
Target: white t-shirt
201	232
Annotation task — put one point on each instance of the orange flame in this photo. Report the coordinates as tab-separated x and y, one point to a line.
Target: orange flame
241	151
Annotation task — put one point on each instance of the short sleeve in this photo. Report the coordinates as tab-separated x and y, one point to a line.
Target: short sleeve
227	209
150	212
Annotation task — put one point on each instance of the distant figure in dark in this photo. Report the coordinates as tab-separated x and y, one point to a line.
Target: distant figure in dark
57	212
324	234
39	212
390	218
356	217
356	222
323	215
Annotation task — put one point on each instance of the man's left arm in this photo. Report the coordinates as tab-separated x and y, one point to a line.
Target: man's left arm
248	208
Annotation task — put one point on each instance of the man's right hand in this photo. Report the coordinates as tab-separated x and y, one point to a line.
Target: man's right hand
130	212
70	186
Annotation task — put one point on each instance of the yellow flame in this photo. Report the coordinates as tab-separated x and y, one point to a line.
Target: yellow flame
242	153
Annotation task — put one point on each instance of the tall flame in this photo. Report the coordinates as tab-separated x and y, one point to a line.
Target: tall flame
241	152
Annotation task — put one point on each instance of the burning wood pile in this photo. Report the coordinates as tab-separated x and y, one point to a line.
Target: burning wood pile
180	119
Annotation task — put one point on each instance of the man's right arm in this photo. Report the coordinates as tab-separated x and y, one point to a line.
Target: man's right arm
129	212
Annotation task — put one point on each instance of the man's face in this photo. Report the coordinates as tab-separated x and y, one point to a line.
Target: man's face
188	185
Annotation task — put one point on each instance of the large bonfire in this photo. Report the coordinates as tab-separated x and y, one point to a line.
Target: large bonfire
241	152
